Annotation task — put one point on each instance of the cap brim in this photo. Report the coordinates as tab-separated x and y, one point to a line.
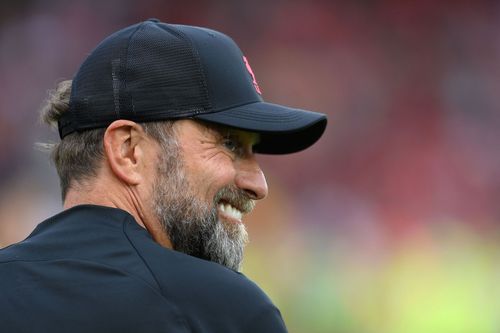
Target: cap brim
282	130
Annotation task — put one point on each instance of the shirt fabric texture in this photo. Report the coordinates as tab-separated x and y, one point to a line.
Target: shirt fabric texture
94	269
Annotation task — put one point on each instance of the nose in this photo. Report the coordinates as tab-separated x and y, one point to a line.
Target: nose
251	179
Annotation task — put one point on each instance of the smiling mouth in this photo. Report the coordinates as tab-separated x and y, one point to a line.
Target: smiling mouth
230	212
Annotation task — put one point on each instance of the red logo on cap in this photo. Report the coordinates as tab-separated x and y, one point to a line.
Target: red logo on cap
255	84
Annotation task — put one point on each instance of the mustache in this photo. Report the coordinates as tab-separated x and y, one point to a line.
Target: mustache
236	197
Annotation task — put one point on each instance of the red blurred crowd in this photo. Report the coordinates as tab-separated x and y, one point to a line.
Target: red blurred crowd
411	90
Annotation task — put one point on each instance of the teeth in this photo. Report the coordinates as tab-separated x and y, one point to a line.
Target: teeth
231	211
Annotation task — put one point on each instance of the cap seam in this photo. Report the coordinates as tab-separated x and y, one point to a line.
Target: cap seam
202	72
125	88
279	119
229	107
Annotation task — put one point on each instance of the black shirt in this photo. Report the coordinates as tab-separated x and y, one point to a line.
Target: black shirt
94	269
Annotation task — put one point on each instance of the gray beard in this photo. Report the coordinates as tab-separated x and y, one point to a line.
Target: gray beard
193	226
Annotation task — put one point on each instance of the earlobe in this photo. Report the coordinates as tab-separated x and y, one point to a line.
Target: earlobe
123	150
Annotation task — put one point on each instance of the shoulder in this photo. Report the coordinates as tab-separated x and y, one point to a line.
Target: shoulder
210	294
211	297
187	276
214	280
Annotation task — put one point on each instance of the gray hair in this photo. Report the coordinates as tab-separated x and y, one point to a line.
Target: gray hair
78	156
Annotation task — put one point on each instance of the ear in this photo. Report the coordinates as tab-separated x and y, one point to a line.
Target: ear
124	145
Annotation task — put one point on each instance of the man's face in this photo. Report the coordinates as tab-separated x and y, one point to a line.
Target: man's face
205	185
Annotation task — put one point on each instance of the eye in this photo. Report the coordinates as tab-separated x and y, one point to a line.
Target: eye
231	144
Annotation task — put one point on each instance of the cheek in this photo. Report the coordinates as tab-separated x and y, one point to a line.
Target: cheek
209	179
151	177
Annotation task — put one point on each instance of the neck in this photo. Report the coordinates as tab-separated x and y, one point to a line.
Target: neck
105	196
76	197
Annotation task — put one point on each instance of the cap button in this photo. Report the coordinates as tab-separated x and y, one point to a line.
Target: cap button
155	20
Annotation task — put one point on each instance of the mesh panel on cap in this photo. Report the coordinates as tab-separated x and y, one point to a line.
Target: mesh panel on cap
145	72
95	88
163	73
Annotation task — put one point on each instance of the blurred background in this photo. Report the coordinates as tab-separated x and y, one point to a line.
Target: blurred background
391	222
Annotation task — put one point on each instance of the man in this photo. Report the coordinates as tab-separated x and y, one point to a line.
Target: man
159	130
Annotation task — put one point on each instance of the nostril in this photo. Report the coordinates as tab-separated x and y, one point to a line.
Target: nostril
252	195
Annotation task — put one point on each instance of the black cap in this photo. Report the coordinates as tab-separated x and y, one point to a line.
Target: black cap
155	71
